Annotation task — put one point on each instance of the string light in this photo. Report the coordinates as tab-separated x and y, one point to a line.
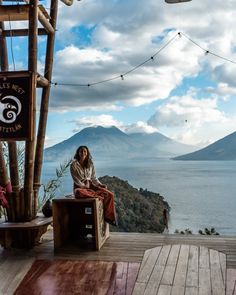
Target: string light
180	34
208	51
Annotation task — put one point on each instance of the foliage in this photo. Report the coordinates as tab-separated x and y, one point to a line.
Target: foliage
187	231
210	231
50	189
1	211
137	210
206	231
20	158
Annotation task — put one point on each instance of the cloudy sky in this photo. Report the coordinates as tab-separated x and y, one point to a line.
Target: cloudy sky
182	90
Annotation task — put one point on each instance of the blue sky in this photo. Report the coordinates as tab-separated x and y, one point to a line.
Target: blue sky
183	93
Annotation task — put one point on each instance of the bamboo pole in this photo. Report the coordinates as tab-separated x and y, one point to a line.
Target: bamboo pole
30	144
3	169
12	147
44	102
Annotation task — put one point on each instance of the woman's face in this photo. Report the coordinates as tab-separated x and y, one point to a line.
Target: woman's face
83	153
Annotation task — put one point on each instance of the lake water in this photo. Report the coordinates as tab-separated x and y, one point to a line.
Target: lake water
201	193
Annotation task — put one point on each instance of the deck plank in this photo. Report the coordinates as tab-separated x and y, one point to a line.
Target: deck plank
148	265
181	268
156	275
169	272
164	290
191	291
217	281
121	280
192	273
204	281
133	269
231	282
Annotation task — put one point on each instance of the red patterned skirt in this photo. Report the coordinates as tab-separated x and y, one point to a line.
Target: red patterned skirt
103	194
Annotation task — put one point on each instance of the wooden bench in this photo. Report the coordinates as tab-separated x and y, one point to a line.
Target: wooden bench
23	234
79	222
181	269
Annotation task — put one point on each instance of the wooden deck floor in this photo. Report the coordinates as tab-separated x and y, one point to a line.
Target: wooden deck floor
130	247
120	247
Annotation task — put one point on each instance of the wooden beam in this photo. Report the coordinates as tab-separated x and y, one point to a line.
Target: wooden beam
22	32
68	2
42	81
44	21
14	12
21	12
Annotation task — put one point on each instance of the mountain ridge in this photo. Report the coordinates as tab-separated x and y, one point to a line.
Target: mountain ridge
111	142
223	149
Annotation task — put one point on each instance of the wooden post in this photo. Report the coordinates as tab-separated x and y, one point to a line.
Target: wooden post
44	103
30	145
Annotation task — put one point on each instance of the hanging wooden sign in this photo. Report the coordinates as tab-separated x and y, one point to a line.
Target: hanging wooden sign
16	105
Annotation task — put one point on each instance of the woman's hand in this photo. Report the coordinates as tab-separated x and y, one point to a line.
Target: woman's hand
87	183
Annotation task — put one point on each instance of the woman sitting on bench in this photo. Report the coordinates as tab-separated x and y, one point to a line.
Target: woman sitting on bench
86	184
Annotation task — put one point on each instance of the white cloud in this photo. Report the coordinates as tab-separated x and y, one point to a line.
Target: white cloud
127	33
223	91
100	120
139	126
108	121
192	121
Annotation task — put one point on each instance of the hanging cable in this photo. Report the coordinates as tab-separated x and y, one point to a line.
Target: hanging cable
208	51
118	76
180	34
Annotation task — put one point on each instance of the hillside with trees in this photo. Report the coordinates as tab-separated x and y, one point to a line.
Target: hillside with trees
138	210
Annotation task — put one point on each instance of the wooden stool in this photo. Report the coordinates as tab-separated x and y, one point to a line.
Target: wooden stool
79	222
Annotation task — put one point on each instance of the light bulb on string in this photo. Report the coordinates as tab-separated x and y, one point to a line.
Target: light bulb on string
176	1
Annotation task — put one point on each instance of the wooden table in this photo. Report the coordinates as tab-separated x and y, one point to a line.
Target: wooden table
181	270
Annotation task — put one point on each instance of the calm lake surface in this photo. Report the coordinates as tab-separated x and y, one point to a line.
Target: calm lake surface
201	193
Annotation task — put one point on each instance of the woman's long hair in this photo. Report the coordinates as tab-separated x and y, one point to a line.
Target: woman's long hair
88	160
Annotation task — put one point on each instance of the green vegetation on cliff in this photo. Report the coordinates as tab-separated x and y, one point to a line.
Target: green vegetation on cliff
137	210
